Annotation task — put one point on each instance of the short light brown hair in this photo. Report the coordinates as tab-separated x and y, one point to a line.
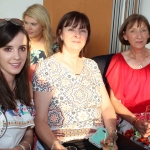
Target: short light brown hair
131	21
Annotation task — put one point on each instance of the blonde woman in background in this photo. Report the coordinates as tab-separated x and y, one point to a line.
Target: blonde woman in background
37	23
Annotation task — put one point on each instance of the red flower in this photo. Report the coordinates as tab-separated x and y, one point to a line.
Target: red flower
144	140
129	133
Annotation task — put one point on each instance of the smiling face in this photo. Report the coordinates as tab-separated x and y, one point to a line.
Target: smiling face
137	35
74	38
33	28
13	56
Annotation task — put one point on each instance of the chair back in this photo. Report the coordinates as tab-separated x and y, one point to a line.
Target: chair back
103	63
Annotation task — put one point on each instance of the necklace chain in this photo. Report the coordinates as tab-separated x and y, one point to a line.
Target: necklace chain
140	64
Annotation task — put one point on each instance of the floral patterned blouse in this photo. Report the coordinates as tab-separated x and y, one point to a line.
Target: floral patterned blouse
38	55
74	112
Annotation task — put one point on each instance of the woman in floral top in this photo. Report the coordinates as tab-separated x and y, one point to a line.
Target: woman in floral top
69	93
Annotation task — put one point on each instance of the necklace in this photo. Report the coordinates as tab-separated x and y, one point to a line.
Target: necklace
140	64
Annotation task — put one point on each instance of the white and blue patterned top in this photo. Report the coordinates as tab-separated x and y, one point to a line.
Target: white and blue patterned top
18	121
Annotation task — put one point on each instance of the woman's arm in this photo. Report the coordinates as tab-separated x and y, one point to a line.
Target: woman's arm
42	101
109	117
124	113
108	111
27	140
120	109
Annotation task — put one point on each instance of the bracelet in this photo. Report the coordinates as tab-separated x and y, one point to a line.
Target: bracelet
113	132
54	144
134	121
23	148
28	144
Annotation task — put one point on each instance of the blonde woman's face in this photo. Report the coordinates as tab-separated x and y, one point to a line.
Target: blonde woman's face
33	28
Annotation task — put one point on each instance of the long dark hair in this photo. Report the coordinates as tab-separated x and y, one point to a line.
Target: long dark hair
21	91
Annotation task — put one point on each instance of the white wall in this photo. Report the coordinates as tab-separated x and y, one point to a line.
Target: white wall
15	8
145	10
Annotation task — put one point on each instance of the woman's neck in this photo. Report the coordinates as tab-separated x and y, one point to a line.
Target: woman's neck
71	58
72	62
37	39
139	53
37	44
139	58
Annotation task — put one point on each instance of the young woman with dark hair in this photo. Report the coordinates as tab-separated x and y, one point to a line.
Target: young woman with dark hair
16	117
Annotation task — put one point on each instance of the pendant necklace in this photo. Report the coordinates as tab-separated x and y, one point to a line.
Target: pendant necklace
140	65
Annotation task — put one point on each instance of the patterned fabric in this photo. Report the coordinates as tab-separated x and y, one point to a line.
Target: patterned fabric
74	112
131	87
130	132
55	47
18	121
36	56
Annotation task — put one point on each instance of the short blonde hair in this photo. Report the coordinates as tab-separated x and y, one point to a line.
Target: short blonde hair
39	13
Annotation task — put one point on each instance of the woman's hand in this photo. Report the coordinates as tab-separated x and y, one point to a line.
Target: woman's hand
58	146
147	133
110	142
141	127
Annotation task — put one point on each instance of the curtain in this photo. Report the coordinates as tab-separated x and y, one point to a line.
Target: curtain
121	10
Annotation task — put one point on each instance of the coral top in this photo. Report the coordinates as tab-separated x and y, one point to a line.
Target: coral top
131	86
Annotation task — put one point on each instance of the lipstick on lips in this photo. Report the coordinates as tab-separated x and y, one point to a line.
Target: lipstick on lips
15	65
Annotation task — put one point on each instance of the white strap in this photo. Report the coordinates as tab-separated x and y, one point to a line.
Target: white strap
23	148
27	143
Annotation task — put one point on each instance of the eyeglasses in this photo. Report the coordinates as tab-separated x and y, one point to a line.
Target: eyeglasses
15	21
